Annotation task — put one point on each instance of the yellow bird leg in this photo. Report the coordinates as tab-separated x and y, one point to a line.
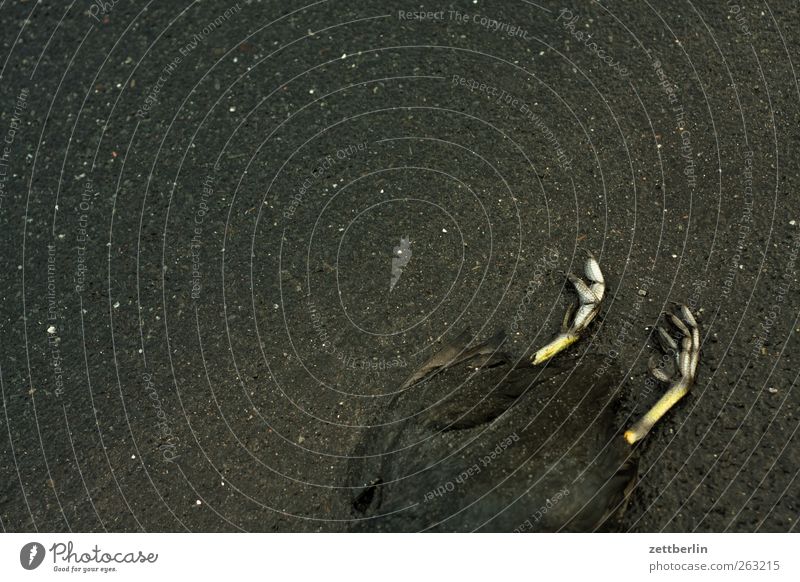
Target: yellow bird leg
639	430
560	343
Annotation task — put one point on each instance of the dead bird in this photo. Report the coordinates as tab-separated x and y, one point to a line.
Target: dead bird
479	440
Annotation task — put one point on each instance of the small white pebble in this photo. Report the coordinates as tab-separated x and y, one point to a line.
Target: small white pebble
198	502
444	230
792	222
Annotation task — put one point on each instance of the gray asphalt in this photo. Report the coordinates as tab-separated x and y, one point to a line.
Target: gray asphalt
202	204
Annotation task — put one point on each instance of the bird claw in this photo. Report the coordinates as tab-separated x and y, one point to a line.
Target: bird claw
687	357
590	295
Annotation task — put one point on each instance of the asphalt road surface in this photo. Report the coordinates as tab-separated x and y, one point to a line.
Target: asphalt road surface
230	230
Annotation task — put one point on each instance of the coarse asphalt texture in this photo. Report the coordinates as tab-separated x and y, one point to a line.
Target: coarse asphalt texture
229	231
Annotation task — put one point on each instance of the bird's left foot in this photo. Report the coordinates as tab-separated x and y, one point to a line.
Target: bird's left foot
590	295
